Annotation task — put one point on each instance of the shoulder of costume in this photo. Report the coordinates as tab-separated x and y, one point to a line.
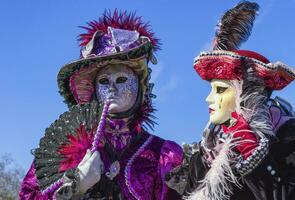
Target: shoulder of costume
280	111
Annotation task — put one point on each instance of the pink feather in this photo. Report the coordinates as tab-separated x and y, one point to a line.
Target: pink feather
120	20
74	151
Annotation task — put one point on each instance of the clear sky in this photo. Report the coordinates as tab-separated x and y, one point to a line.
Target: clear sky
38	37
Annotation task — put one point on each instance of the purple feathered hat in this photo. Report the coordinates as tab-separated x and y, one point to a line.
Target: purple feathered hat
115	38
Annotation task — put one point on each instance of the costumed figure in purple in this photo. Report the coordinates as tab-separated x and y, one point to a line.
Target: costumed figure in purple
247	149
100	148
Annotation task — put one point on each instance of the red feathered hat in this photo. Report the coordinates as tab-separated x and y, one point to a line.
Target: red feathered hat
226	62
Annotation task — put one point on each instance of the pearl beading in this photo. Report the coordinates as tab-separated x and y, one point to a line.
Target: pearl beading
129	164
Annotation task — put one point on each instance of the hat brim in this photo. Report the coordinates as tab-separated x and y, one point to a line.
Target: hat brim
144	51
227	65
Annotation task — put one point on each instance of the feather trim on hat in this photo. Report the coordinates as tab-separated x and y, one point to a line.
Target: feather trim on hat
235	26
120	20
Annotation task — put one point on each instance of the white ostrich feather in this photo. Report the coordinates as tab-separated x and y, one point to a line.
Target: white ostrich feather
216	184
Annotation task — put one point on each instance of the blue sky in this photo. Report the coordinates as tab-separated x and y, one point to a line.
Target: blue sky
38	37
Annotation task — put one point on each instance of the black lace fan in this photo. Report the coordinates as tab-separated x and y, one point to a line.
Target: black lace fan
65	143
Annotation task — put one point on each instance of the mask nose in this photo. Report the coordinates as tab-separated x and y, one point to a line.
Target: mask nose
210	99
113	87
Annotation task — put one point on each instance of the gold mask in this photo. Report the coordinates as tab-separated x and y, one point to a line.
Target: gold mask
221	101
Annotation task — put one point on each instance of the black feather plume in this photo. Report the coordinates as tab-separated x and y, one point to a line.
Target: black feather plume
235	26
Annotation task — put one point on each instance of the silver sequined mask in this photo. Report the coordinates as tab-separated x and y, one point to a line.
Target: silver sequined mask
119	84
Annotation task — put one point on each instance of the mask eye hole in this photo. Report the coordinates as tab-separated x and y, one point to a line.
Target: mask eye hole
220	89
121	79
104	81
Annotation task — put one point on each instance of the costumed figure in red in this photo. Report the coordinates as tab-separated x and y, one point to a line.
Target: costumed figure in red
247	149
100	148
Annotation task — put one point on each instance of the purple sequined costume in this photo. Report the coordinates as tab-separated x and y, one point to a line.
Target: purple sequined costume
143	168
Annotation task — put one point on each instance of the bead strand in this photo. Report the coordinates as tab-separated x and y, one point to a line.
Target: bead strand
101	126
53	187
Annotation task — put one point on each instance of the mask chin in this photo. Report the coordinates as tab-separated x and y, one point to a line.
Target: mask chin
114	108
218	122
221	118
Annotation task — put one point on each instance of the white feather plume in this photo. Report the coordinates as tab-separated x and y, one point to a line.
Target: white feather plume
216	184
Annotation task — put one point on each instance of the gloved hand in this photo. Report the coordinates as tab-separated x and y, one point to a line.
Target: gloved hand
89	170
240	129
